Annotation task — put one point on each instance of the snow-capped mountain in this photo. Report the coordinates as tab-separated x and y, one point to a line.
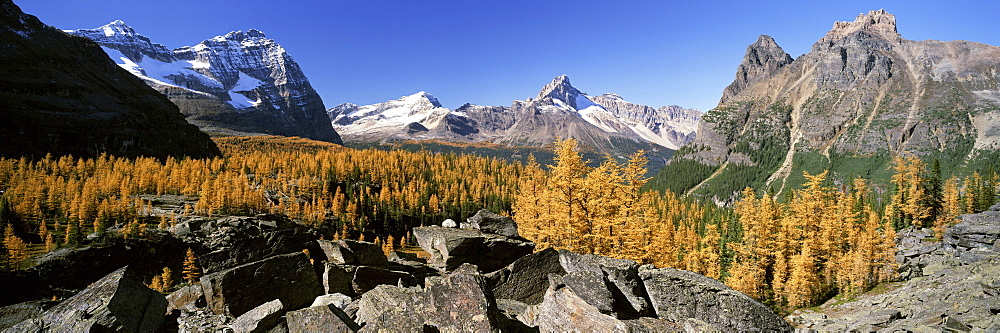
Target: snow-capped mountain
61	95
669	126
241	81
406	116
558	111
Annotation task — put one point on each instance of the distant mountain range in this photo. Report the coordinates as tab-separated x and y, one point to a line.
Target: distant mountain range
238	83
558	111
61	95
862	95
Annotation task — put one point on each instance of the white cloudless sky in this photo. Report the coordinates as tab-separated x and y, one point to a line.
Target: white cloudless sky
491	52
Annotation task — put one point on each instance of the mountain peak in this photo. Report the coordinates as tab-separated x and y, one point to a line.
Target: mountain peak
239	35
877	21
763	58
612	96
421	97
560	89
117	27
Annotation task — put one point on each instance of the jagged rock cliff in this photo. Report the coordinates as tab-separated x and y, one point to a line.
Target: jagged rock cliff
238	82
863	91
60	94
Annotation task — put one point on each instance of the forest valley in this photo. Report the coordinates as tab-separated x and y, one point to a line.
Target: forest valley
789	251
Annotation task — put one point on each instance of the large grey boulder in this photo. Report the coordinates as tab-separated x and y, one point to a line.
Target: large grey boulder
526	279
613	286
186	298
238	240
321	318
679	295
563	310
623	281
352	252
15	313
980	231
289	277
339	300
457	302
117	302
452	247
260	319
337	279
491	223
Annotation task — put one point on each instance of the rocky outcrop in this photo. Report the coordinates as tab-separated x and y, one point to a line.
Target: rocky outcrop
62	95
491	223
117	302
526	279
679	295
235	83
351	252
236	240
289	278
452	247
458	302
320	318
13	314
861	92
260	319
950	285
563	310
763	58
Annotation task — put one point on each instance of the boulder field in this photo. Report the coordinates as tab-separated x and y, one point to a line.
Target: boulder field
267	274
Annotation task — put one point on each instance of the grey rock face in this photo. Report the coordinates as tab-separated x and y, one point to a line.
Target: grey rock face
458	302
117	302
15	313
262	86
451	247
526	279
337	278
861	90
237	240
763	58
289	278
188	298
338	300
679	295
630	298
260	319
323	318
563	310
353	252
491	223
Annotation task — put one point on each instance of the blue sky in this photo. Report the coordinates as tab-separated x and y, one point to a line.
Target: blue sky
492	52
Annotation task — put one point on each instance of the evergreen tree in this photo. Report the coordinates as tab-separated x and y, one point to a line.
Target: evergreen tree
190	268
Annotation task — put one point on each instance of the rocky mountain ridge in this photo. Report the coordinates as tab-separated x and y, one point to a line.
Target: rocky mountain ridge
559	110
863	92
60	94
240	82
